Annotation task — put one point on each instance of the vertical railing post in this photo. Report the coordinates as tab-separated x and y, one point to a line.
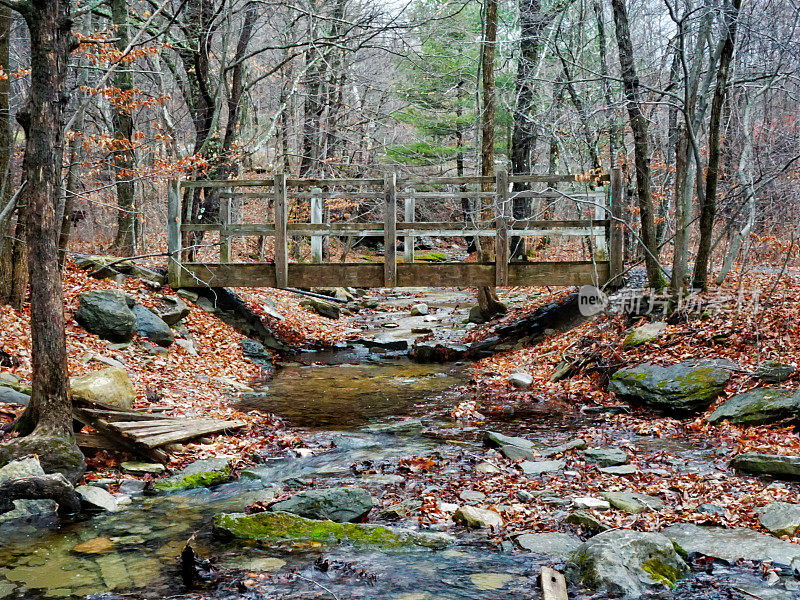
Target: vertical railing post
600	240
501	230
224	233
281	218
390	231
616	231
316	219
408	239
174	233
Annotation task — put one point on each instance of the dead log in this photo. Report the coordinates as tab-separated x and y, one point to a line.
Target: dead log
46	487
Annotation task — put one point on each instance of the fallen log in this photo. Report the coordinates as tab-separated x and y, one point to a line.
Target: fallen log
47	487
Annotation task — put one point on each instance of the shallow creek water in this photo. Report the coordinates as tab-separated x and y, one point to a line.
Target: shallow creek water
335	405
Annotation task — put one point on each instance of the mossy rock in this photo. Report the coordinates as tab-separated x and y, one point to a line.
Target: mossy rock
56	454
773	371
277	526
644	334
201	473
758	406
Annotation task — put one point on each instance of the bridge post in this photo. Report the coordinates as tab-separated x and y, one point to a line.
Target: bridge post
408	240
390	231
616	234
224	237
316	219
501	230
174	233
281	218
600	241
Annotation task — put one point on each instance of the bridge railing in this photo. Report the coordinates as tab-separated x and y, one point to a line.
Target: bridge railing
485	207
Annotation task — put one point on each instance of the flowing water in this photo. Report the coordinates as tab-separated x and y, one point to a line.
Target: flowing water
38	560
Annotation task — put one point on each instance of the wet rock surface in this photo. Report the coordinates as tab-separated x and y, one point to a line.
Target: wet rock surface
342	505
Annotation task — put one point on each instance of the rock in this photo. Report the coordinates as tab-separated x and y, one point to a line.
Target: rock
172	309
780	518
401	509
537	467
768	464
476	315
56	453
96	498
490	581
773	371
9	395
758	406
10	380
733	544
517	453
142	468
97	545
559	545
492	439
106	314
419	310
586	520
627	563
605	457
472	496
618	470
285	526
200	473
589	503
152	327
131	487
644	334
342	504
577	444
521	381
683	388
110	386
403	427
711	509
18	469
486	467
188	294
99	265
474	517
321	307
632	502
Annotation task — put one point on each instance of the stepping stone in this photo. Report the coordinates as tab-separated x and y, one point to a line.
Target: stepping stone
565	447
590	503
517	453
605	457
768	464
493	439
632	502
542	466
472	516
781	518
142	468
618	470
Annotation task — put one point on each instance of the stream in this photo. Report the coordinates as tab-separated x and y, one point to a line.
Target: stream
342	406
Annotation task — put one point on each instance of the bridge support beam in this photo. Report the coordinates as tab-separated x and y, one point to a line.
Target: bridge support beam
317	205
501	226
390	231
408	240
281	219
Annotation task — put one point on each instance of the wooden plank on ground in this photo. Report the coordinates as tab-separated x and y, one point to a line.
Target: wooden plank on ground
188	433
554	586
123	442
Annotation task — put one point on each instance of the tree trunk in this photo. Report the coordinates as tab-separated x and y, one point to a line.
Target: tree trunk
709	206
640	144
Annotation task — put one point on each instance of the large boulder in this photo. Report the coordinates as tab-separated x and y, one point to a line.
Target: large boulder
733	544
773	371
9	395
626	563
200	473
761	405
780	518
171	309
782	467
106	313
687	387
55	453
323	308
559	545
633	502
151	326
96	499
605	457
18	469
110	386
285	526
342	504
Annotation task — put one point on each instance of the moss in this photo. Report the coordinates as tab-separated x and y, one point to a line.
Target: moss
680	550
196	480
432	257
284	526
661	572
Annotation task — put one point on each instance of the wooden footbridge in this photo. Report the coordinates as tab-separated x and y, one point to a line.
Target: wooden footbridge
489	202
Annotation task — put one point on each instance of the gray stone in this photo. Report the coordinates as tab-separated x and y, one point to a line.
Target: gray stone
419	310
627	563
171	309
472	496
605	457
200	473
577	444
132	487
644	334
152	327
342	504
9	395
521	381
537	467
96	498
682	388
403	427
106	314
618	470
768	464
323	308
560	545
632	502
30	509
517	453
25	467
773	371
733	544
586	520
111	386
474	517
589	503
476	315
401	510
492	439
758	406
780	518
711	509
486	467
